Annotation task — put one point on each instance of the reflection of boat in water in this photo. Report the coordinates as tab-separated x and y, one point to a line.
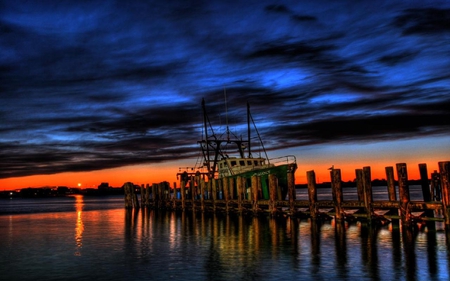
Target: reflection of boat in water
217	163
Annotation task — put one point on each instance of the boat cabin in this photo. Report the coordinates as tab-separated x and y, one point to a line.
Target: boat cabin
234	166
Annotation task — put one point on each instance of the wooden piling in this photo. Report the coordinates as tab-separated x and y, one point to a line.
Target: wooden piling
154	195
291	191
225	192
142	195
273	193
426	193
403	192
390	183
231	184
255	194
368	196
359	184
239	187
202	194
147	195
392	194
214	194
444	170
338	198
193	191
135	199
183	194
435	186
312	194
127	189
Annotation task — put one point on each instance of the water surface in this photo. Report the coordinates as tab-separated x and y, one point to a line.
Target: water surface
96	239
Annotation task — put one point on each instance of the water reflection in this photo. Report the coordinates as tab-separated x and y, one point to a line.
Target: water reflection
79	226
223	247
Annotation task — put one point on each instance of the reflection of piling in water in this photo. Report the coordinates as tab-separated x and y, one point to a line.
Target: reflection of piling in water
263	196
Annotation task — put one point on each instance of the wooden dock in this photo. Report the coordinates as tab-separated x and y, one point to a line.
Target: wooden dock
245	196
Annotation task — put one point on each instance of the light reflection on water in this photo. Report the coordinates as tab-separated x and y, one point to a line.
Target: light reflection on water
115	244
79	227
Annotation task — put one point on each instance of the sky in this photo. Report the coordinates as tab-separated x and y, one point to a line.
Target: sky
111	91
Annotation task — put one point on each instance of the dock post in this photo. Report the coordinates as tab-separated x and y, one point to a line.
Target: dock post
225	192
154	196
336	189
174	198
403	191
390	183
273	193
255	193
183	194
193	191
359	184
135	199
209	189
142	196
312	193
291	191
239	193
147	195
368	196
391	193
214	193
201	185
444	170
435	186
162	199
231	184
425	183
128	198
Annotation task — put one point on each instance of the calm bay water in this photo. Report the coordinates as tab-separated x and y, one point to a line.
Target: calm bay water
83	238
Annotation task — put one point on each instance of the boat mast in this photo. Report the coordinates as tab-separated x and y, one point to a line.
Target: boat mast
248	130
207	156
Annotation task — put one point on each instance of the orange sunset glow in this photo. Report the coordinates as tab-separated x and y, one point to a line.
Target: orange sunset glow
318	160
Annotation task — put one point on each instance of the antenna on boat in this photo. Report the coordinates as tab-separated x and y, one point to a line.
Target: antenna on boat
226	114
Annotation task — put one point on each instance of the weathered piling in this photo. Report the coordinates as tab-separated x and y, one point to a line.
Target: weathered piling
255	193
444	170
336	188
367	192
312	193
128	191
273	194
291	191
436	186
426	193
239	187
202	194
359	184
390	183
403	191
391	193
183	194
225	186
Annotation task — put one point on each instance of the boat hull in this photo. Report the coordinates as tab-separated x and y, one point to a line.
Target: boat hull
281	173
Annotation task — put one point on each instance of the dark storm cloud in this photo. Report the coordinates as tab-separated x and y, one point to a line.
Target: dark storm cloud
95	85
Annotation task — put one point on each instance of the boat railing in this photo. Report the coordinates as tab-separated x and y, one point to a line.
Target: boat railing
287	159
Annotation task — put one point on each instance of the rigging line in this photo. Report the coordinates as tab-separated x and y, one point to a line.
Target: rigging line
260	140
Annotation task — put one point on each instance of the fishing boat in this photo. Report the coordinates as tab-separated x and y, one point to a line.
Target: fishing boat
232	157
